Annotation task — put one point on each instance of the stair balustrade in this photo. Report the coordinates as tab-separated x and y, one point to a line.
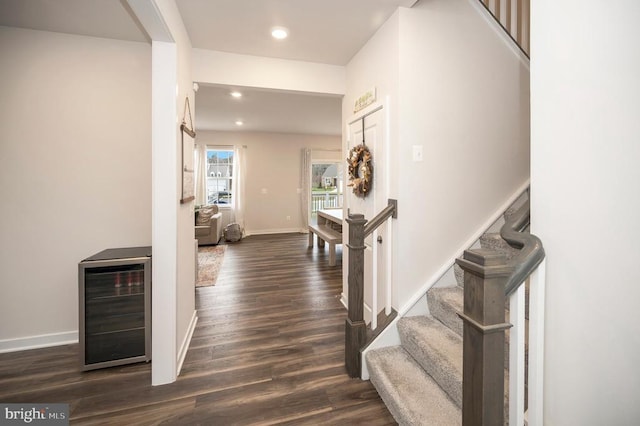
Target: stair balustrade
513	17
489	279
355	326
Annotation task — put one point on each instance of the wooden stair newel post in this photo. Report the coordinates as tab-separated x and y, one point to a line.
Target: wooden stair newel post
355	327
485	275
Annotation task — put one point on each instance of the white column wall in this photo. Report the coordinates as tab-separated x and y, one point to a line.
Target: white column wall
165	214
174	315
585	185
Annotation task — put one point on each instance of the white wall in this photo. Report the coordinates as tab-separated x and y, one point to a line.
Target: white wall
585	183
274	163
254	71
464	99
75	169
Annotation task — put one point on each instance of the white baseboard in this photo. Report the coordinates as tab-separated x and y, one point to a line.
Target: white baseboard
36	342
273	231
343	300
182	353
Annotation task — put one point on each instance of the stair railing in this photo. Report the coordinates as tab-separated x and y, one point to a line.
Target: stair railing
489	279
355	327
513	17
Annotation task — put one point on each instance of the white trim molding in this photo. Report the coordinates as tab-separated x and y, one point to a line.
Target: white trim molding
275	231
37	342
184	347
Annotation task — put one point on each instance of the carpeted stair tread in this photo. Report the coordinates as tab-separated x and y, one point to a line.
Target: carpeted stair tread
437	349
459	274
444	303
421	381
410	394
496	242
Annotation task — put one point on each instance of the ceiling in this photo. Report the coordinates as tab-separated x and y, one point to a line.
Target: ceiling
323	31
96	18
267	111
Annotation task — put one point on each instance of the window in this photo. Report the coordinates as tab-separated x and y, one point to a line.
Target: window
326	186
219	175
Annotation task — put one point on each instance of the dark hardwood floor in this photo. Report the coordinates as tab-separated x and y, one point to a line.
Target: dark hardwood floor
267	349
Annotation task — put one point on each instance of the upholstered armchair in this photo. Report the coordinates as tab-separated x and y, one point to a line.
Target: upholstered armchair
208	225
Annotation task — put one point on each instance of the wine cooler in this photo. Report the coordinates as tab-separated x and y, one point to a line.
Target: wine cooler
115	307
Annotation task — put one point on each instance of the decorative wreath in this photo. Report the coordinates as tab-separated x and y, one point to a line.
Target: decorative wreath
360	170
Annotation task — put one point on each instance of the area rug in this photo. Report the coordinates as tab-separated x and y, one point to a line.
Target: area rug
209	263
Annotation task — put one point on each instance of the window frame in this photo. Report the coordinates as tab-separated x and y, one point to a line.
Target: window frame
217	177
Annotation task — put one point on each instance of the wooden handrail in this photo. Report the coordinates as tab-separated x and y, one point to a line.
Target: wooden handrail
355	327
488	279
531	250
390	211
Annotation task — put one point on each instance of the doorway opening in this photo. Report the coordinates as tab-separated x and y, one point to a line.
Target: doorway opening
327	185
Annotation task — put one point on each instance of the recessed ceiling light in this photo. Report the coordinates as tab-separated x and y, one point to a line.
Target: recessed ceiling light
236	94
239	122
279	33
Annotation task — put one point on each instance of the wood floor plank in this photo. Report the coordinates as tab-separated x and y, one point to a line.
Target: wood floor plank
268	349
162	412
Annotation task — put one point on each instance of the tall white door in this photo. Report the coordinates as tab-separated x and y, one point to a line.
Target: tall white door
369	206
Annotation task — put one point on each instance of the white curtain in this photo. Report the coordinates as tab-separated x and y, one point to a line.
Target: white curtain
305	184
200	171
239	174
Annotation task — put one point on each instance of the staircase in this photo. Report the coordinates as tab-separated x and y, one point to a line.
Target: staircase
420	381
